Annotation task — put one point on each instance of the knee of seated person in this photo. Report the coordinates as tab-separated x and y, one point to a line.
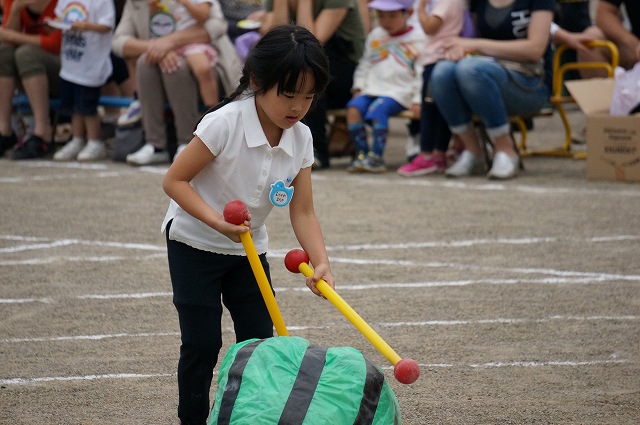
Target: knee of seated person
28	60
7	56
595	32
443	70
469	66
141	61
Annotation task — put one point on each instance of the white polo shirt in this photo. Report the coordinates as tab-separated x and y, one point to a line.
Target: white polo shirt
245	167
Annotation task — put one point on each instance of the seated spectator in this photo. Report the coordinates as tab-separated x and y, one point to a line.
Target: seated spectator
441	21
505	70
339	27
609	19
29	59
386	82
572	26
200	57
163	76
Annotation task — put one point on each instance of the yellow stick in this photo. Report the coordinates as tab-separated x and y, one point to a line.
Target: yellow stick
352	316
263	284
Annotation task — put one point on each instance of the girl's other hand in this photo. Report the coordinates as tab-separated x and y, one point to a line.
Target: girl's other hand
323	272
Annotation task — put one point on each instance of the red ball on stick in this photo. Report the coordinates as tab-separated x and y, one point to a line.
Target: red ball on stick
235	212
406	371
294	258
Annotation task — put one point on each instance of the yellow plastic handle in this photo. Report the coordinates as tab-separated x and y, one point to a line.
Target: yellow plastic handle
352	316
263	284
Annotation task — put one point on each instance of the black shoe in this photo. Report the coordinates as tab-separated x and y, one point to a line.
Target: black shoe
7	142
33	147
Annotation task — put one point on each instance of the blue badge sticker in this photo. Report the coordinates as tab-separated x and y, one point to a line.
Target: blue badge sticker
280	195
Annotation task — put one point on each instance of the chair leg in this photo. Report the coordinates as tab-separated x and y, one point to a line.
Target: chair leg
567	128
522	128
486	144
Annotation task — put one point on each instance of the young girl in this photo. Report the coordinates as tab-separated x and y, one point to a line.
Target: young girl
243	149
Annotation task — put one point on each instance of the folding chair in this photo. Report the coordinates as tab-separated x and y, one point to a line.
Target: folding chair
559	96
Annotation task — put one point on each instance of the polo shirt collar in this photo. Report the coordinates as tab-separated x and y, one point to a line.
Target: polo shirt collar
253	130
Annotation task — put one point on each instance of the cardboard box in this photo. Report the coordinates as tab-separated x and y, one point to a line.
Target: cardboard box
613	142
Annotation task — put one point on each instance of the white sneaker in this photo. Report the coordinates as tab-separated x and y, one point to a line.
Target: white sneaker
132	114
467	165
179	150
70	150
147	155
94	150
504	166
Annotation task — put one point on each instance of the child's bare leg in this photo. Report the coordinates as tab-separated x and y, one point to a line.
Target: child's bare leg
92	125
205	74
77	126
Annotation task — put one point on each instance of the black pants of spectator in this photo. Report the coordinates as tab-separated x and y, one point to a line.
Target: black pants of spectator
434	130
336	96
201	282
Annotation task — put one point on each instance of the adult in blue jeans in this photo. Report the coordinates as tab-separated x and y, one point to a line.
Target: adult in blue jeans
506	70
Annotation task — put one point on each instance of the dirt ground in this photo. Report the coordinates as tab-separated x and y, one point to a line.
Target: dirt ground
520	300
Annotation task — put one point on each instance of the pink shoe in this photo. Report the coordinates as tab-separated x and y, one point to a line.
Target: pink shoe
422	165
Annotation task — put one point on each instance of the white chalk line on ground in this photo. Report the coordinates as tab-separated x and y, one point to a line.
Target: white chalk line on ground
109	170
46	244
23	381
478	242
593	278
488	365
42	243
80	258
36	243
563	276
426	323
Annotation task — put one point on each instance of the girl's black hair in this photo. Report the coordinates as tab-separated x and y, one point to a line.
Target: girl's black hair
282	56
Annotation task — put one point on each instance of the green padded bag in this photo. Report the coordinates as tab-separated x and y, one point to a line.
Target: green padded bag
289	381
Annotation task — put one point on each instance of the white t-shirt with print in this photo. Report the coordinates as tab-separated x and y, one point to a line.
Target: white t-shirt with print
245	168
391	66
85	55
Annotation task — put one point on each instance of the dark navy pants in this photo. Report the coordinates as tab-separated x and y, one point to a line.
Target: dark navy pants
202	281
